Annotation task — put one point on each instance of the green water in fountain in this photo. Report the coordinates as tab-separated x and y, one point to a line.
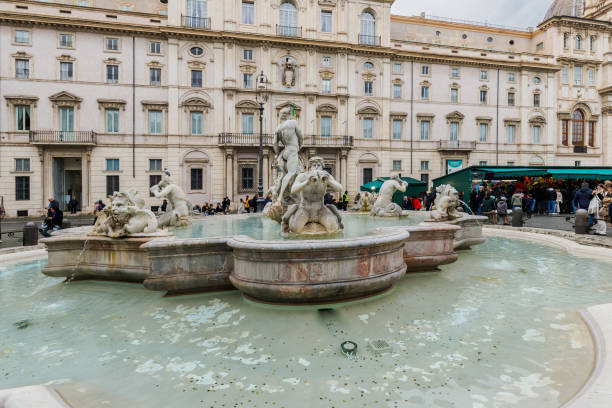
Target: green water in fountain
499	328
255	226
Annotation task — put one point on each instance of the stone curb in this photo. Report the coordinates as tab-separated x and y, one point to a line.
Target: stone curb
587	240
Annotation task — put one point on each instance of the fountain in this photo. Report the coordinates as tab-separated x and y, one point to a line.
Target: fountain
384	205
307	256
445	211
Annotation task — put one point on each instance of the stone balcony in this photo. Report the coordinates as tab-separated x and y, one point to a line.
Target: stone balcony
252	140
456	145
63	137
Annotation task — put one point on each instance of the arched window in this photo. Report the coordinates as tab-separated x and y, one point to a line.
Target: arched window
578	128
592	43
565	40
578	44
368	28
288	19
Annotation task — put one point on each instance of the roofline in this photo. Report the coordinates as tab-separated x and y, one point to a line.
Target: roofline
578	19
473	27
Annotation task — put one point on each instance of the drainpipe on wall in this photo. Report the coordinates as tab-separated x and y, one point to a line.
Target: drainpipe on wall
497	124
133	107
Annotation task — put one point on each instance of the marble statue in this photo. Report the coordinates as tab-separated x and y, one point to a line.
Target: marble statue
365	202
125	216
288	79
177	212
445	204
287	159
384	205
311	215
287	143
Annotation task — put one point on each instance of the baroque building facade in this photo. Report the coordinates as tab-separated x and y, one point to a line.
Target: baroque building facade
102	95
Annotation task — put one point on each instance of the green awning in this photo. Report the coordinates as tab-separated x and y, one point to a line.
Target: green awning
415	188
580	173
377	184
497	174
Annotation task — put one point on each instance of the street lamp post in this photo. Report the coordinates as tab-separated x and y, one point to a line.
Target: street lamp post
261	96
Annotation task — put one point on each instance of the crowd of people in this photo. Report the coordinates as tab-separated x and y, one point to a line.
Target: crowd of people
538	196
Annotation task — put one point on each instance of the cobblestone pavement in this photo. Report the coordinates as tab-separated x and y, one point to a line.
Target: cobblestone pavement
12	227
556	222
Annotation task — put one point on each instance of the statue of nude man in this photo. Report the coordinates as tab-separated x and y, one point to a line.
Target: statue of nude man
312	186
290	135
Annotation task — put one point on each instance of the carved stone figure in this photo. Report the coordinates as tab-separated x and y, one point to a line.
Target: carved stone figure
311	215
365	202
288	161
125	216
177	212
288	79
384	205
446	203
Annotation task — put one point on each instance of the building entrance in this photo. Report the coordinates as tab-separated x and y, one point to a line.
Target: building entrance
67	181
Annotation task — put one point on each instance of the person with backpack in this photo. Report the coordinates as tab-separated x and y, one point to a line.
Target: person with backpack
502	210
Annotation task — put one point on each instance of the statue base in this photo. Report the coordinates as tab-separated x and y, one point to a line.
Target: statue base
310	229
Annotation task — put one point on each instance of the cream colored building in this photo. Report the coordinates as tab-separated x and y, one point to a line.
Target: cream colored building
100	95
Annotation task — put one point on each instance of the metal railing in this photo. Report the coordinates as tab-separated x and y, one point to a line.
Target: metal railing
288	31
196	22
456	145
580	149
62	137
244	139
252	139
369	39
474	22
328	140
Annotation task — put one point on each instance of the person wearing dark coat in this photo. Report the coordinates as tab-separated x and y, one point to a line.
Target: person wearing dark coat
407	204
583	197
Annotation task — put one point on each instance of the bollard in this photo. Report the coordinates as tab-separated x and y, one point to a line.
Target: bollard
581	223
65	224
517	217
30	234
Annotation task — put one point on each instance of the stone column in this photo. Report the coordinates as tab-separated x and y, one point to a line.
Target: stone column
85	181
266	170
229	174
344	169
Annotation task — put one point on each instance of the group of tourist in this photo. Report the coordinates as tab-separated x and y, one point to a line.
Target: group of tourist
543	197
208	209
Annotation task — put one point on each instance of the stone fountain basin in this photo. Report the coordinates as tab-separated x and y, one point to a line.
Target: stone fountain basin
318	271
75	255
281	271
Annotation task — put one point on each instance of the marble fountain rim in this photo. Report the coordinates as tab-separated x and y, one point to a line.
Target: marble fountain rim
375	237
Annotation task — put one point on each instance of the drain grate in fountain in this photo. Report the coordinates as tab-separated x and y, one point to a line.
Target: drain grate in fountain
379	345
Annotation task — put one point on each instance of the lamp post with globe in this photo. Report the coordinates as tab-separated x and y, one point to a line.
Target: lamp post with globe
261	96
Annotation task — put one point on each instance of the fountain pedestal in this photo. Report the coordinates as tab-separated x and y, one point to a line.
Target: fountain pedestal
74	255
318	271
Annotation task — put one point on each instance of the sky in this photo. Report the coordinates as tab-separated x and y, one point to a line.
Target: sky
518	13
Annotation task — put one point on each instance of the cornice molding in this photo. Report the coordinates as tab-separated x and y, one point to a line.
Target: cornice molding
21	100
264	40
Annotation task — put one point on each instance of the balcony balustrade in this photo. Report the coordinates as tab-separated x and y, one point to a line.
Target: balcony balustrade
65	137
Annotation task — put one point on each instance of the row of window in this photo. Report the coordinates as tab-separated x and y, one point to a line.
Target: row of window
288	18
577	75
66	40
578	42
22	71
